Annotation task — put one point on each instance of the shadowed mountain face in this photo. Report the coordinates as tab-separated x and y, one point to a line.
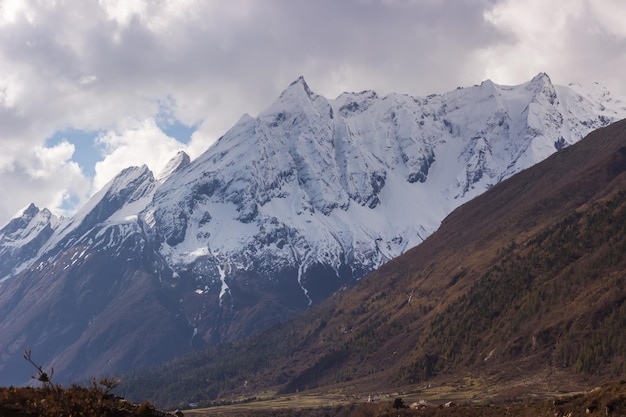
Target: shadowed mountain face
285	209
523	286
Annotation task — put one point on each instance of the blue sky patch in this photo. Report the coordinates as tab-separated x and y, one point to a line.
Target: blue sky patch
177	130
86	151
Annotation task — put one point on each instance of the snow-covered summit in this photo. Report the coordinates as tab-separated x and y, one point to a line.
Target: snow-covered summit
355	181
26	224
311	194
350	182
22	237
175	164
306	155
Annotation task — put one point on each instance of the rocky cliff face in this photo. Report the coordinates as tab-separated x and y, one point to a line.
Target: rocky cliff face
283	210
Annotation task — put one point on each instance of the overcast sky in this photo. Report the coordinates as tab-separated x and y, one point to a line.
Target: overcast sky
90	87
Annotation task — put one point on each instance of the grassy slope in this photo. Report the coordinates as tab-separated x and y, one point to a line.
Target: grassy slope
609	399
523	286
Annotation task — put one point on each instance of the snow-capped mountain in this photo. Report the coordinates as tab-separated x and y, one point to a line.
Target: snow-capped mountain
278	214
22	238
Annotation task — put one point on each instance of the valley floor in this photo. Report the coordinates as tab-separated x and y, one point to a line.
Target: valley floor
608	399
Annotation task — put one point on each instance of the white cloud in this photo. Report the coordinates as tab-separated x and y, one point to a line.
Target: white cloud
145	144
609	17
45	176
11	9
574	40
122	11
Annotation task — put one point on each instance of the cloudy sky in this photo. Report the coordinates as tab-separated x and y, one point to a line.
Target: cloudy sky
89	87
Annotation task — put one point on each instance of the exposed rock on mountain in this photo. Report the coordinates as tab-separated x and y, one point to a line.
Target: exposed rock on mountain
519	292
283	210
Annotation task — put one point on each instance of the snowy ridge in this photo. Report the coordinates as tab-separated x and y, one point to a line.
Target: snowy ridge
358	180
118	203
346	184
177	163
281	212
22	238
20	231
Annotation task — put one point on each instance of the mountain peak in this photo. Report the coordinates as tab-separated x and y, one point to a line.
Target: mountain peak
297	87
277	215
133	184
301	81
542	88
30	211
128	176
22	238
21	219
541	76
296	97
175	164
540	81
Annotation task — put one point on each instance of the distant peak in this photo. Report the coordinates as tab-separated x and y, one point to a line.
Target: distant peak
134	170
541	86
300	80
181	158
175	164
128	176
245	118
488	85
30	211
364	93
297	86
20	219
541	79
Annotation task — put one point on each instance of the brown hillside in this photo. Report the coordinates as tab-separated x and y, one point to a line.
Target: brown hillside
520	289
